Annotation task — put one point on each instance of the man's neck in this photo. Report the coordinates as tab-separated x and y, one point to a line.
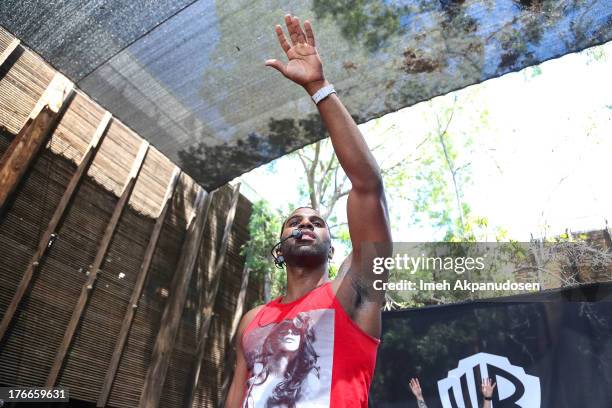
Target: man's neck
302	280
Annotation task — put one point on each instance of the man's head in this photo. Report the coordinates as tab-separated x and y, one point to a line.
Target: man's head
314	248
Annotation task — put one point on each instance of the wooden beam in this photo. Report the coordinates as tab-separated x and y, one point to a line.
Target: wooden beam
230	354
95	268
164	343
47	236
207	309
138	286
9	50
33	135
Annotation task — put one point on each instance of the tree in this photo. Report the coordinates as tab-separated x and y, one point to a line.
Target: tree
325	186
431	176
433	180
264	230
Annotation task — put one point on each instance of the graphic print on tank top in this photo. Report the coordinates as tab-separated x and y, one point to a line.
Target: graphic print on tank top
290	362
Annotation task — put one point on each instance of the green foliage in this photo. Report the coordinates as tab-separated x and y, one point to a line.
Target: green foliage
501	262
427	183
343	236
532	72
264	230
333	271
433	184
596	54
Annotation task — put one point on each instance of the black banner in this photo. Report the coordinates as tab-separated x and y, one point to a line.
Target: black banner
549	349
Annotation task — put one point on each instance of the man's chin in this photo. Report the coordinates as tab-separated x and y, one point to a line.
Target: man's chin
306	256
307	249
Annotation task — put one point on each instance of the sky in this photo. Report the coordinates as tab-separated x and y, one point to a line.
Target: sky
542	165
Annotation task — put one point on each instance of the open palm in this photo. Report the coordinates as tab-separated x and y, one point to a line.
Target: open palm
304	66
415	387
487	387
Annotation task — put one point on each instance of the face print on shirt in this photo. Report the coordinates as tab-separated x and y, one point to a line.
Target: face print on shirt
290	362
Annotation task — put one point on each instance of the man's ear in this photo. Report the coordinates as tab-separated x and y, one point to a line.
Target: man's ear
331	252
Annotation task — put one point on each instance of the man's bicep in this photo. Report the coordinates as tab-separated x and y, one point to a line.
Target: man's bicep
238	386
368	221
237	389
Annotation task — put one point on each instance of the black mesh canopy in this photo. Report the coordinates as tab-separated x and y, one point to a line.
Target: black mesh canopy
189	76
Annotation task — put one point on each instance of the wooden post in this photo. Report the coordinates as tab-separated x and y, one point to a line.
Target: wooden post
9	50
230	355
46	238
33	135
156	374
93	273
140	280
207	309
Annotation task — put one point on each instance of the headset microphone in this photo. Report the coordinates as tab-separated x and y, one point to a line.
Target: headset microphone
280	260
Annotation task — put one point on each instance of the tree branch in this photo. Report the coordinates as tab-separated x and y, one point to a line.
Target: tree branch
338	194
309	170
324	180
451	168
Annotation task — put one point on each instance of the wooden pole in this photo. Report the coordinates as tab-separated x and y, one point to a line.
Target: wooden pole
93	274
164	343
33	135
46	238
230	355
9	50
207	309
138	286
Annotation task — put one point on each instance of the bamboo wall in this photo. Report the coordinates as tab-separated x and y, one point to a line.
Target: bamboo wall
28	349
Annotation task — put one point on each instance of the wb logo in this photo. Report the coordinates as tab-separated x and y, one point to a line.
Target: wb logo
515	389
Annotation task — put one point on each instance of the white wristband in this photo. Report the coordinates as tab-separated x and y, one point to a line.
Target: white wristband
323	93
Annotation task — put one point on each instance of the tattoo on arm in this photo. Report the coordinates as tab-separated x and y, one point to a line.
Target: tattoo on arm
421	404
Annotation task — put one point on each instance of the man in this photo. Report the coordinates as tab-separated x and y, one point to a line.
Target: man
316	346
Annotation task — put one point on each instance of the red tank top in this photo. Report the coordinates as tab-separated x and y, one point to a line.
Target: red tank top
307	353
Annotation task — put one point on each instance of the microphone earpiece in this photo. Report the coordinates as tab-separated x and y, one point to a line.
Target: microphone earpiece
279	261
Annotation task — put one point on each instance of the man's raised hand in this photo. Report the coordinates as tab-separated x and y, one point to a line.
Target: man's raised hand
304	66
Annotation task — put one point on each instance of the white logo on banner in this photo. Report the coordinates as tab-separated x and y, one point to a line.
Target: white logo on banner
515	388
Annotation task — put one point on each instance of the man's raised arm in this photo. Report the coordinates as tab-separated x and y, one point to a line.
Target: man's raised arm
367	210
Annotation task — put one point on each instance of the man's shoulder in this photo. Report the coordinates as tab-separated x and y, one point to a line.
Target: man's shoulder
251	313
248	317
